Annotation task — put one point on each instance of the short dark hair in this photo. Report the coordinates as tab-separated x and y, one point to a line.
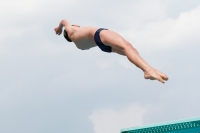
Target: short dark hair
66	36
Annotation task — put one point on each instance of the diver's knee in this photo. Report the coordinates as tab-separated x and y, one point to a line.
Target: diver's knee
128	47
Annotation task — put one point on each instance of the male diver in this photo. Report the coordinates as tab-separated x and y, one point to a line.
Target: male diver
108	41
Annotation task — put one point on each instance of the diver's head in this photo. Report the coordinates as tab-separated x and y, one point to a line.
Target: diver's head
66	36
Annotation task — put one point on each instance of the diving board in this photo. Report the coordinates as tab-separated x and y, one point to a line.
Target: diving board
181	126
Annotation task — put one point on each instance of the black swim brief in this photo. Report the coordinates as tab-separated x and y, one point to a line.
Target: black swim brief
97	39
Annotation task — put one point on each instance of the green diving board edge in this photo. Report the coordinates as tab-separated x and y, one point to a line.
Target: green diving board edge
190	120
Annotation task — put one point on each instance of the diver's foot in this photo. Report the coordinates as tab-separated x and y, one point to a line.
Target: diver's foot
154	74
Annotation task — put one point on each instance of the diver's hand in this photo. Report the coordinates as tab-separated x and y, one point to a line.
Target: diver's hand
58	31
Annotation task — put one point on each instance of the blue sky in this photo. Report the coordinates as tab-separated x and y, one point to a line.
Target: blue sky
48	85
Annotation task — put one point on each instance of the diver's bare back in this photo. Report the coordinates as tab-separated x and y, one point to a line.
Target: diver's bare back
83	37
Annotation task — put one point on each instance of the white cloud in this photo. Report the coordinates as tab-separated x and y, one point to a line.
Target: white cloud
12	7
150	10
115	60
112	121
168	32
104	64
126	63
24	7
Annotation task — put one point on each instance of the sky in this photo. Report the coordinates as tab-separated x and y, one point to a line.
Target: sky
48	85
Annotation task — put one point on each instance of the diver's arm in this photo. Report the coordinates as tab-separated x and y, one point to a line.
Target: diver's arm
63	23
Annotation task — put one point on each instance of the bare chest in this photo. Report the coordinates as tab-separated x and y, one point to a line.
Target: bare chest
84	38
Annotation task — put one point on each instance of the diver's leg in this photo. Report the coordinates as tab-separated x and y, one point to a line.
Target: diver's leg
117	42
118	51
